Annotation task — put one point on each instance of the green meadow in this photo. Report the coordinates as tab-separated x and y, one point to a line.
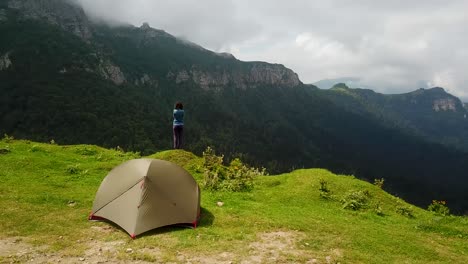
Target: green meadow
47	191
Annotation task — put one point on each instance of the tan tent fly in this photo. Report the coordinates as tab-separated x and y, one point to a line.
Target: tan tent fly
143	194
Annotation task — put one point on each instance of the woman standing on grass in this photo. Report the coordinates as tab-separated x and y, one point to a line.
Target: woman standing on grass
178	125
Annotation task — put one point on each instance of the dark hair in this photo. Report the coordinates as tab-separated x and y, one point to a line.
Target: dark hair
179	105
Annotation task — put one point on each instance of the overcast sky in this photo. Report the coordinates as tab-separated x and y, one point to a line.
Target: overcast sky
390	46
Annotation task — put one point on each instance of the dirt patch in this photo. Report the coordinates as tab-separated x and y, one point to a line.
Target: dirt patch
223	258
18	250
270	247
277	247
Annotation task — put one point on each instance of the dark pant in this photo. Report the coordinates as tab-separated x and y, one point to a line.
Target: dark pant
178	136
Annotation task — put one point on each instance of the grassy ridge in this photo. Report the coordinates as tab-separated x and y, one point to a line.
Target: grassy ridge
46	193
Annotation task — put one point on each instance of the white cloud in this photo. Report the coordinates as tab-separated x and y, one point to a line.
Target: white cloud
390	46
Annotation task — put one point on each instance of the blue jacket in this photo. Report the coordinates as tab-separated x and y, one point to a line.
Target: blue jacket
178	117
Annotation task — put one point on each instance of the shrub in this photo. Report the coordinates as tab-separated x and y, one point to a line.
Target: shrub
236	177
73	169
439	207
86	151
405	210
379	182
212	169
355	200
240	177
35	148
7	138
120	152
378	209
324	191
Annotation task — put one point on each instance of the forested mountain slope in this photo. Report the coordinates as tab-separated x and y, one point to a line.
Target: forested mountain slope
432	113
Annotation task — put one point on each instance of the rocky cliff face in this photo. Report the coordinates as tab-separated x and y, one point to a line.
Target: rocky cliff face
272	74
446	104
111	72
63	13
258	74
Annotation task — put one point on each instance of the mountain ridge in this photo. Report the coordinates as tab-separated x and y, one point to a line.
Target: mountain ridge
431	113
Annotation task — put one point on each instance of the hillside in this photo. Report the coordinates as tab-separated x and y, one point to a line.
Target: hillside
47	191
432	114
75	81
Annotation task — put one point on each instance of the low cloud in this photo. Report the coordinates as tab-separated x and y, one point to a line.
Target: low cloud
391	47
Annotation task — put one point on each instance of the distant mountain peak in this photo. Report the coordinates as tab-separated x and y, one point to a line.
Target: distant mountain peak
437	89
438	99
64	13
226	55
340	85
145	26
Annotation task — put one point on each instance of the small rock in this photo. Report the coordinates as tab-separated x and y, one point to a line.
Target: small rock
129	250
82	259
219	204
307	244
60	237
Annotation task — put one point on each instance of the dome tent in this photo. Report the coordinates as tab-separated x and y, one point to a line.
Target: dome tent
143	194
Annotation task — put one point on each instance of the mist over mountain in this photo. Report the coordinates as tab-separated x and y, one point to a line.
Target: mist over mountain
68	78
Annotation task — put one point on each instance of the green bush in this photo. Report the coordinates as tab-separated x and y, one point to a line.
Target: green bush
405	210
236	177
73	169
378	209
324	191
120	152
355	200
439	207
7	138
213	169
36	148
86	151
379	182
